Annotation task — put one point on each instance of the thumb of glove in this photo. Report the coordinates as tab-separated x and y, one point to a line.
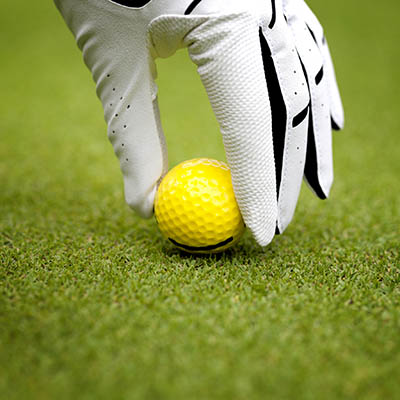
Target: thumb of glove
117	53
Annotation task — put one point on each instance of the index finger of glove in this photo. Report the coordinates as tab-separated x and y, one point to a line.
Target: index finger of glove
227	52
226	49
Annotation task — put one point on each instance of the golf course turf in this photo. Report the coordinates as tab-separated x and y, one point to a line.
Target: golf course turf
95	304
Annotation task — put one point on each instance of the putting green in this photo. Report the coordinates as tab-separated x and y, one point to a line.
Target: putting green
95	304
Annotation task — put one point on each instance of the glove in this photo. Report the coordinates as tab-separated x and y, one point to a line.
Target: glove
268	74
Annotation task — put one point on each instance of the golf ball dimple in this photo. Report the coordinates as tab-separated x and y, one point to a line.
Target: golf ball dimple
196	209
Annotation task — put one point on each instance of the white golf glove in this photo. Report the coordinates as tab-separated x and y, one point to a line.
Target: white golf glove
269	77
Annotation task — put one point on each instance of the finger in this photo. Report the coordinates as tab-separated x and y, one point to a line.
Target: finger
231	69
123	72
316	30
337	112
319	163
135	131
226	49
290	100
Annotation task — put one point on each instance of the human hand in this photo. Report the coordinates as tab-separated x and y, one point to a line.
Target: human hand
269	77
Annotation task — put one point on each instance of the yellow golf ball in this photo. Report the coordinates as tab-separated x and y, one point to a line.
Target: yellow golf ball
196	209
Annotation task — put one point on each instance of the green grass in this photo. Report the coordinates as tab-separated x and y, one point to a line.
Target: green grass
94	304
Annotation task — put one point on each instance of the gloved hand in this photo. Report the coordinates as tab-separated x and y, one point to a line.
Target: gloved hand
269	77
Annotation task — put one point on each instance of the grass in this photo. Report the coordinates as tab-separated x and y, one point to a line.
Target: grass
94	304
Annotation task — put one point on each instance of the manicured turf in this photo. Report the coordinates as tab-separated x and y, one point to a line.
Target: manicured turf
94	304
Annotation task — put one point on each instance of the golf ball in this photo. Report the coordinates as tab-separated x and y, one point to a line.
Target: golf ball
196	209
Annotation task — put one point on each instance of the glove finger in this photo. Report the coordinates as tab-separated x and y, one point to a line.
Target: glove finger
319	162
290	100
316	30
226	49
124	76
231	69
135	131
337	112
